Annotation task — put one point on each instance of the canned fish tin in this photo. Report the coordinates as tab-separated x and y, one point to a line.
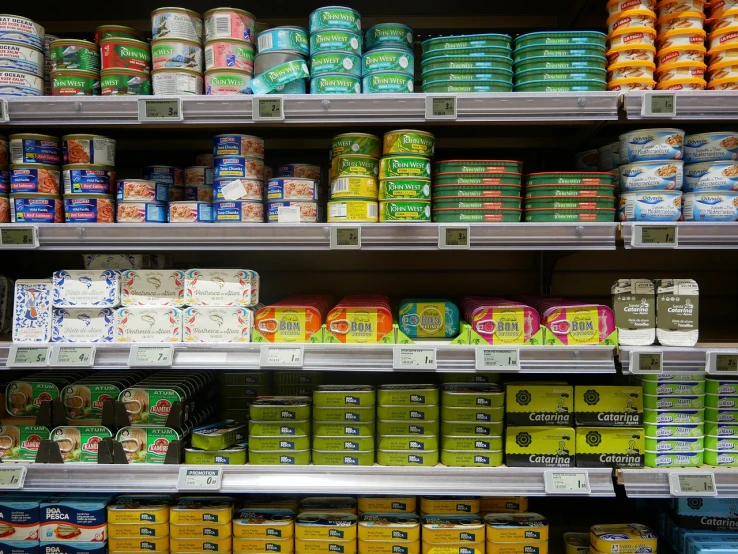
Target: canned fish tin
335	63
651	144
711	206
88	179
284	39
335	17
404	210
342	414
229	23
74	54
227	82
300	170
292	188
360	211
710	147
356	143
387	82
238	167
198	176
34	149
91	208
407	457
335	84
280	457
73	82
404	189
202	193
164	174
190	212
652	175
229	54
17	57
176	54
248	189
663	205
238	145
332	396
176	81
392	35
14	28
711	176
388	59
292	212
17	83
88	149
116	31
335	40
141	212
122	53
325	526
124	82
355	165
279	76
176	23
205	159
139	189
354	187
34	178
238	212
36	208
398	165
407	141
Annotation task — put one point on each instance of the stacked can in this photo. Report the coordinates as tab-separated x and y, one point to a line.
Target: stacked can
471	424
631	36
176	52
388	63
561	61
238	179
229	51
399	531
88	174
263	528
722	56
335	51
680	60
280	66
467	63
721	422
35	179
408	425
22	67
239	389
125	59
354	172
292	197
279	430
75	68
651	175
4	180
147	200
673	416
48	39
404	176
569	197
344	422
477	191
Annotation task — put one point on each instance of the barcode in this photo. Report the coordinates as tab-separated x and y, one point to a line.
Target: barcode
265	42
340	185
338	210
440	112
630	212
371	210
222	25
16	152
209	58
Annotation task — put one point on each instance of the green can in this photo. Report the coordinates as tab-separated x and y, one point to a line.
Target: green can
218	436
569	215
74	54
471	396
298	442
124	82
477	179
26	441
279	76
354	164
567	38
721	415
463	429
452	215
474	458
562	86
465	190
404	210
362	144
399	428
402	165
673	388
653	402
407	395
717	386
469	63
471	443
478	166
449	45
721	401
388	82
478	203
561	63
234	455
408	413
74	82
405	189
447	87
335	63
337	415
573	178
583	190
477	414
570	203
466	75
407	442
561	51
279	457
349	396
691	444
388	59
290	408
578	74
409	141
335	40
675	416
389	35
724	458
335	83
721	443
335	17
673	459
713	428
327	458
674	431
407	457
348	444
326	429
277	429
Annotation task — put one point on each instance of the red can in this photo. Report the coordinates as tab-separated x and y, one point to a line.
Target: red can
125	53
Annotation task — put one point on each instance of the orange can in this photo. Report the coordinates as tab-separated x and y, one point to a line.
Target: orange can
294	319
360	319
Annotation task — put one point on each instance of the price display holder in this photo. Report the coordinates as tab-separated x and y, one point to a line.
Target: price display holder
453	238
28	356
497	359
440	107
345	238
282	356
72	356
659	104
566	482
4	116
267	108
412	358
655	236
12	477
692	484
19	237
151	356
159	110
722	363
646	363
200	479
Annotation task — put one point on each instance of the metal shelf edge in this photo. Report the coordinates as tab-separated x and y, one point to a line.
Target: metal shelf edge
654	482
692	234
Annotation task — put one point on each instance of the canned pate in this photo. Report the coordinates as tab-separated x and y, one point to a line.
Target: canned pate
641	35
292	212
292	188
227	82
123	53
74	54
238	145
335	63
88	179
393	35
727	52
238	212
17	57
631	19
72	82
238	167
684	53
720	37
178	54
229	54
4	209
141	212
164	174
176	81
116	31
198	194
124	82
17	83
335	84
14	28
36	208
723	84
299	170
138	189
229	23
177	23
680	37
34	149
238	189
284	38
34	178
190	212
335	17
92	208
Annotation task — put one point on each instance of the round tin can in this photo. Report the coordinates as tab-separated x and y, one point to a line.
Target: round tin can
74	54
238	167
398	165
177	23
125	53
190	212
246	189
198	194
88	149
662	205
90	208
141	212
116	31
335	17
710	206
711	176
229	23
177	54
4	181
356	165
139	189
356	143
88	179
227	82
27	148
34	178
284	38
361	211
18	57
404	210
229	54
4	209
175	192
393	60
14	28
404	189
355	187
392	35
238	212
124	82
405	141
72	82
335	84
36	208
307	171
164	174
265	61
198	176
292	189
176	81
238	145
287	212
204	159
17	83
335	63
335	40
279	76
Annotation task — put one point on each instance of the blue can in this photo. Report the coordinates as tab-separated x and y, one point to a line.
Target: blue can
292	188
292	212
32	208
142	212
198	194
248	189
232	144
93	179
138	189
37	178
92	208
18	57
281	39
238	167
238	211
4	181
164	174
190	212
35	149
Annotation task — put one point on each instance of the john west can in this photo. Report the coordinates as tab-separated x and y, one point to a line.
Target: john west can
74	54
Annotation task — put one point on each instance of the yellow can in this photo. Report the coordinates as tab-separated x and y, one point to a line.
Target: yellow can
388	504
200	530
354	187
389	527
623	538
576	543
264	524
530	547
137	530
520	527
329	503
196	509
198	545
325	547
135	508
138	544
456	529
340	526
445	505
504	504
263	545
470	548
359	211
389	547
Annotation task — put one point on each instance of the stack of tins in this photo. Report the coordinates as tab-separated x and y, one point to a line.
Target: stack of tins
388	64
294	195
354	171
35	179
21	57
229	51
176	51
680	58
238	179
631	36
125	60
75	68
722	57
335	40
280	65
4	181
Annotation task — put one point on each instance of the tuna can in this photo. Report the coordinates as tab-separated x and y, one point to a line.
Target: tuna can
711	176
360	211
398	165
335	84
227	82
34	149
292	188
88	179
292	212
279	76
710	147
387	82
14	28
388	59
17	83
122	53
229	54
72	82
404	210
176	23
355	165
4	209
124	82
355	187
652	175
34	178
404	189
190	212
88	149
177	54
238	145
199	194
141	212
392	35
404	141
17	57
36	208
164	174
91	208
74	54
300	170
711	206
238	167
116	31
663	205
176	81
346	444
175	192
198	176
138	189
335	40
356	143
335	63
229	23
238	212
263	62
407	457
335	17
284	38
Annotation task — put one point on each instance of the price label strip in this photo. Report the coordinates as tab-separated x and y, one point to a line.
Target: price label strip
73	356
497	359
409	358
13	477
151	356
278	356
722	363
4	116
655	236
200	479
160	110
453	238
646	363
345	238
566	482
267	108
692	484
19	237
440	107
661	104
28	356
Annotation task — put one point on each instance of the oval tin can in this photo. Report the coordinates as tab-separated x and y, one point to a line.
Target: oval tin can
36	208
34	178
292	188
139	189
31	148
393	60
335	63
88	179
387	82
356	143
392	35
335	40
229	54
19	29
124	82
238	145
401	165
141	212
335	84
227	82
190	212
88	149
335	17
249	189
123	53
73	82
177	23
176	81
407	141
18	57
238	211
178	54
17	83
284	39
229	23
90	208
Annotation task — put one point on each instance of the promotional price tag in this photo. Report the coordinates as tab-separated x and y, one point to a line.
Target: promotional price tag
4	116
278	356
151	356
346	238
19	237
73	356
692	484
453	238
267	108
719	363
646	363
160	109
440	107
567	482
288	214
194	479
404	357
661	104
12	477
28	356
655	236
497	359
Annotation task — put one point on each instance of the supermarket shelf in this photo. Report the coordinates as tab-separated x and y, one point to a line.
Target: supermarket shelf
654	483
694	234
700	105
322	109
680	359
357	358
439	480
386	236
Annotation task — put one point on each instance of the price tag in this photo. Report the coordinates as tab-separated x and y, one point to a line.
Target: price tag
722	363
692	484
497	359
267	108
13	477
4	116
288	214
200	479
567	482
655	236
456	238
661	104
233	190
281	356
646	363
28	356
19	237
72	356
346	238
160	109
151	356
404	357
440	107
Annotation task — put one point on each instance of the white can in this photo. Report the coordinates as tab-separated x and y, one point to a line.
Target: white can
176	81
176	23
17	57
14	28
17	83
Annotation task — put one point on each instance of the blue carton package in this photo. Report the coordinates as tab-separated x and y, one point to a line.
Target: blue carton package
713	548
19	518
73	520
696	542
19	547
73	547
718	514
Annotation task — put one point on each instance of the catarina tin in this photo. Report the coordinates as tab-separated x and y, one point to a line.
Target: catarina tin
121	53
124	82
